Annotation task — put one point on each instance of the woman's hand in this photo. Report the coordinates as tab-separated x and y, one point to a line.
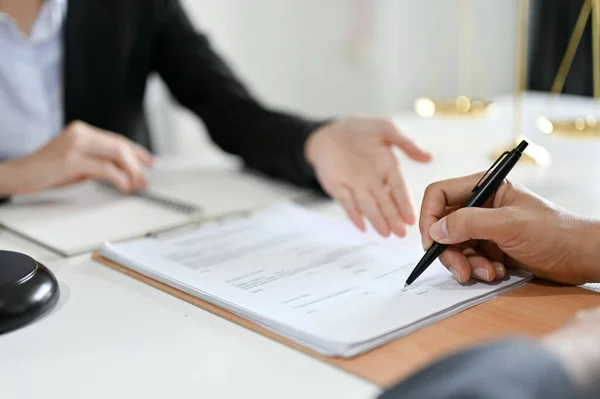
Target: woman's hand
81	152
355	164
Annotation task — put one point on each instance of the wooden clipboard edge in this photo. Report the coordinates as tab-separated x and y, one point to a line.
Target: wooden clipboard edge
336	362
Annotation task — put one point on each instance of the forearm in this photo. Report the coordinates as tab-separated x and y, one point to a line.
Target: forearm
9	180
584	254
269	141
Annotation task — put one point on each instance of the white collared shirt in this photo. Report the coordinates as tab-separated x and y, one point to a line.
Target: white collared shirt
31	81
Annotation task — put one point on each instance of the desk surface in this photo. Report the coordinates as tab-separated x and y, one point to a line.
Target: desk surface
111	333
531	311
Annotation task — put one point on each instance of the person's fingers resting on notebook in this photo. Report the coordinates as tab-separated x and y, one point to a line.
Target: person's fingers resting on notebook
515	228
355	163
80	152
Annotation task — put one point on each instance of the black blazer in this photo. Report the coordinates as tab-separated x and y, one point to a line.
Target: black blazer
111	48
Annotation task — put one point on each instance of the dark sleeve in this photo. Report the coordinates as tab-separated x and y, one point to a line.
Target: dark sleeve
269	141
515	369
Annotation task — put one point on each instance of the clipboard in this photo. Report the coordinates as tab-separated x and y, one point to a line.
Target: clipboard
531	310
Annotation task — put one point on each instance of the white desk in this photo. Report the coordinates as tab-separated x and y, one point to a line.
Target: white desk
13	242
112	336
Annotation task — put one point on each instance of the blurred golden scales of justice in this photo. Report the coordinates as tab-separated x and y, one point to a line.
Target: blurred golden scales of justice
534	153
461	106
587	127
466	107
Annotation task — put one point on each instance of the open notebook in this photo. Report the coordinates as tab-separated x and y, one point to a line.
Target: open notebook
80	218
305	276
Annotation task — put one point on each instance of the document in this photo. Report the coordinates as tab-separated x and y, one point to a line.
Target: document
307	276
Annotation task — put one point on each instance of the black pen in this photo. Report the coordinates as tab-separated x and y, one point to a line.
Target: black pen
481	193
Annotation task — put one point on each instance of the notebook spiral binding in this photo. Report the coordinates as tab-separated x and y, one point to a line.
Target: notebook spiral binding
175	205
168	203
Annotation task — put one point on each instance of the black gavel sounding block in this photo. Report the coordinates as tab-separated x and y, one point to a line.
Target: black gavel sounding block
28	290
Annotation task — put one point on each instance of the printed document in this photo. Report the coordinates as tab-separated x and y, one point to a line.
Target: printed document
306	276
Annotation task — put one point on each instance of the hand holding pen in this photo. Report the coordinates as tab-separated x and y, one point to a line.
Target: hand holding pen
483	191
514	228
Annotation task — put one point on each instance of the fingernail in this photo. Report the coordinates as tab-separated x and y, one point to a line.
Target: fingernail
439	230
500	270
482	273
455	273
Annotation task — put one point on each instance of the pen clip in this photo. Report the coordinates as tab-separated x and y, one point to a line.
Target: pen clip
505	153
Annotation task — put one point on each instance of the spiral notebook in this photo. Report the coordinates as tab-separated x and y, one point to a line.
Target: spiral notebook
309	278
80	218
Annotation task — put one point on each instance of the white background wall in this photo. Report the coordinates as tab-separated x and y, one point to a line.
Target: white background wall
300	55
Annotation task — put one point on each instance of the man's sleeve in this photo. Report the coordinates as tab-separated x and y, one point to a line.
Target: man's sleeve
516	369
269	141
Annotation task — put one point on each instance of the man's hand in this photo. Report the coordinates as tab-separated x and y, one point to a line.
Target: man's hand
355	164
515	228
80	153
578	348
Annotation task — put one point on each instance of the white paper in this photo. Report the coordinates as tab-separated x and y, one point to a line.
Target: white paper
221	191
81	217
310	277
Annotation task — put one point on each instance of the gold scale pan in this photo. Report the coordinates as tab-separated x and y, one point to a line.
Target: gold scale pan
461	106
472	108
583	127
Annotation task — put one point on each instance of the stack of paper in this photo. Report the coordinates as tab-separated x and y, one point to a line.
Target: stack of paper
306	276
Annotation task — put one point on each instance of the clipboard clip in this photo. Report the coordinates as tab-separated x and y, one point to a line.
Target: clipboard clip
500	158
